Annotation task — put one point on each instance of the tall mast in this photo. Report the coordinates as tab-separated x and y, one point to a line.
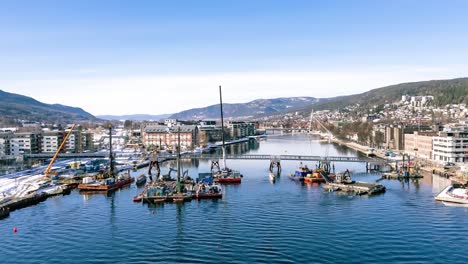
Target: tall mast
222	126
178	160
111	157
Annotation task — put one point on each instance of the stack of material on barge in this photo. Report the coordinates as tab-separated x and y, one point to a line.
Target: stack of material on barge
455	193
206	189
319	174
344	183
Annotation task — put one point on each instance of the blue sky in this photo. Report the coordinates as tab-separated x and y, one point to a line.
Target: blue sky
180	51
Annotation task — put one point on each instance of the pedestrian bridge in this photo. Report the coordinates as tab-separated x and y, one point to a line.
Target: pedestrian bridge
67	155
273	157
212	157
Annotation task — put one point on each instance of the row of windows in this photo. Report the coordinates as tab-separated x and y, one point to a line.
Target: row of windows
451	152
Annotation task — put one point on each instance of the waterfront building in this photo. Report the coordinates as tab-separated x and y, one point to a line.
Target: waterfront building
394	138
51	140
451	146
165	137
241	129
208	134
5	143
25	143
419	144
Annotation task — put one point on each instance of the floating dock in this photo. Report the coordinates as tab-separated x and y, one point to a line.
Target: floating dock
358	188
18	203
344	183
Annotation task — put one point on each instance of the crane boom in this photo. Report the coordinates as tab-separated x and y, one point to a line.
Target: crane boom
320	123
47	171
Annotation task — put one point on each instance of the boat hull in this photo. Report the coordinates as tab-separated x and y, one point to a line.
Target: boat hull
447	195
314	180
228	180
295	178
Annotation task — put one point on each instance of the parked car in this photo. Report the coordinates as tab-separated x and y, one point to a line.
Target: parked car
449	164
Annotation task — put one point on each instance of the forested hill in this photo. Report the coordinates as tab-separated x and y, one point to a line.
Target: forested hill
445	92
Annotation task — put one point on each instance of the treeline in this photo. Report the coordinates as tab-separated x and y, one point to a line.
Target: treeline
363	130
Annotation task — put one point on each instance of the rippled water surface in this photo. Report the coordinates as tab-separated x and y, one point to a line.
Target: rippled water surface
256	221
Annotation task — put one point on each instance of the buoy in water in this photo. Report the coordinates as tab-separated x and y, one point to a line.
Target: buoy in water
152	212
15	230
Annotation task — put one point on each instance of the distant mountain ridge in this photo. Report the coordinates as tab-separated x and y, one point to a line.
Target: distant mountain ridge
453	91
256	108
135	117
20	107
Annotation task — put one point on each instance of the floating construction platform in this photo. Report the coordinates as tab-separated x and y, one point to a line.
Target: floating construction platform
344	183
358	188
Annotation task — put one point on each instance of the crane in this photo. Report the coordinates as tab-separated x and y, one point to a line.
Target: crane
321	125
47	171
325	163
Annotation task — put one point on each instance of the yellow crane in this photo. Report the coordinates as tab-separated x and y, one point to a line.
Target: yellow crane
47	171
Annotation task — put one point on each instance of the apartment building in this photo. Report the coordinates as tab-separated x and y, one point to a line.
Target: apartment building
450	147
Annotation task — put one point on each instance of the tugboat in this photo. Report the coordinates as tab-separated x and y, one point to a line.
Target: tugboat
107	184
225	175
300	174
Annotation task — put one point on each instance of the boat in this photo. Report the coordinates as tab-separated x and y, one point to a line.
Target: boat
455	193
207	191
320	174
300	173
137	198
141	180
225	175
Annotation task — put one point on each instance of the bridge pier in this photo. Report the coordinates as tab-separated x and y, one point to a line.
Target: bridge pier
154	163
275	163
215	164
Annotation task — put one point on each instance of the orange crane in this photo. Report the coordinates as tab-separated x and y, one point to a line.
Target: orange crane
47	171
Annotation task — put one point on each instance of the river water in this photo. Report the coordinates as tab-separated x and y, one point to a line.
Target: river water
255	222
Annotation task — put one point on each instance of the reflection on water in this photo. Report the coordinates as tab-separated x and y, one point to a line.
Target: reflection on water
439	183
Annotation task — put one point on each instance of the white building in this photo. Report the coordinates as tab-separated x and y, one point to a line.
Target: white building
26	142
51	141
450	147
